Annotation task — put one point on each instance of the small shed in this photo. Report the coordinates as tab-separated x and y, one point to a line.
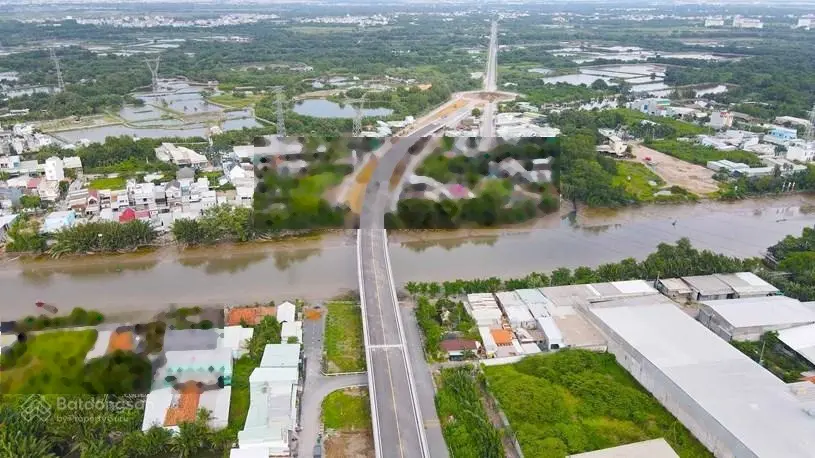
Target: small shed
675	288
456	348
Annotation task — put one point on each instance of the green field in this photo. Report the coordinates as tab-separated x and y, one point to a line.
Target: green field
344	345
576	401
108	183
236	102
348	409
700	155
639	176
239	400
52	363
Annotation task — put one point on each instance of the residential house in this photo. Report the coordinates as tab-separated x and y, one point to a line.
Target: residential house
93	204
457	349
286	312
48	190
272	417
180	340
291	330
119	199
54	169
784	133
250	316
721	120
235	338
185	173
172	193
78	199
72	163
142	195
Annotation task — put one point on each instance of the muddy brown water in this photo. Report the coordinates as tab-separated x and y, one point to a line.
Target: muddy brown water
319	269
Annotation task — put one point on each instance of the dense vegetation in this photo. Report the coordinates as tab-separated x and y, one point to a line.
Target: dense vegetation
297	203
574	401
667	261
795	257
773	354
464	422
103	236
223	223
436	318
740	187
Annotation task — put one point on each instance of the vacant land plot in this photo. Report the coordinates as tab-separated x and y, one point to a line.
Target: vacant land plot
346	415
344	345
701	155
636	179
676	172
108	183
235	101
576	401
239	400
49	363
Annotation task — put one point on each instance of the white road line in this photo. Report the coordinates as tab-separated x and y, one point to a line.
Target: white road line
387	357
387	346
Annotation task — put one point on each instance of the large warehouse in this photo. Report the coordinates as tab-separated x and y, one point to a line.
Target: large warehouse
734	406
748	319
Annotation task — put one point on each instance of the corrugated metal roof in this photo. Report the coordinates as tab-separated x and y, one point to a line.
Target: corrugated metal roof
281	355
741	396
676	285
708	285
656	448
747	283
801	339
761	311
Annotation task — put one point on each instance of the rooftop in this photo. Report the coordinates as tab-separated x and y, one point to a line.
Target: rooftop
250	315
801	339
458	345
502	336
281	355
747	283
656	448
708	285
761	311
761	412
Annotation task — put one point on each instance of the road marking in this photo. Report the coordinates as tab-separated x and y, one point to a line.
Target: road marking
400	346
387	357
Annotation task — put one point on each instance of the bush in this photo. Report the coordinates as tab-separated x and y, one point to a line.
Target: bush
206	324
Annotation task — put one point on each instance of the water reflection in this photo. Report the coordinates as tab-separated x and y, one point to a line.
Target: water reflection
449	244
230	264
35	271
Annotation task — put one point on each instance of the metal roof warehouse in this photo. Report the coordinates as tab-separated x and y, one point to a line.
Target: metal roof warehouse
734	406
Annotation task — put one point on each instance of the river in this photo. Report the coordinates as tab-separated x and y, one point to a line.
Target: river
318	269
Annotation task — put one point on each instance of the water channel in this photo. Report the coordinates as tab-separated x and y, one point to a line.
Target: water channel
318	269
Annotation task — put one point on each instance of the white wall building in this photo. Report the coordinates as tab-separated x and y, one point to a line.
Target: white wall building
721	120
54	169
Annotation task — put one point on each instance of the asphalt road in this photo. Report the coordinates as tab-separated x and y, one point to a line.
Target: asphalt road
396	412
490	84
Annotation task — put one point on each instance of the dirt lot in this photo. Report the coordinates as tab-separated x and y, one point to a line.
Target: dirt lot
356	444
692	177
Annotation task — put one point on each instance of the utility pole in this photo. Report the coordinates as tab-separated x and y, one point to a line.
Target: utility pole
153	66
281	115
60	81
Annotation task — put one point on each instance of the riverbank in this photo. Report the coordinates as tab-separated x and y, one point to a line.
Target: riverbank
319	269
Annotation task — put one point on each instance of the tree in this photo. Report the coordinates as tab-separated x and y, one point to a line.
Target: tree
192	438
30	201
599	85
476	112
120	372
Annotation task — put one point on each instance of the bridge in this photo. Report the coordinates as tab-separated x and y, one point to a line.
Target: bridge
401	427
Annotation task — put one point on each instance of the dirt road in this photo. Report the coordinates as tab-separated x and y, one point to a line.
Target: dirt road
692	177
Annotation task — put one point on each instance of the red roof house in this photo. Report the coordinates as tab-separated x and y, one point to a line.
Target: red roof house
127	215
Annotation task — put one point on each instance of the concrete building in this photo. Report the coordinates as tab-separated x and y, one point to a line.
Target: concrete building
490	347
655	448
735	407
272	415
714	22
748	319
57	221
516	310
484	309
180	156
741	22
54	169
235	338
652	106
784	133
721	120
281	355
801	339
675	288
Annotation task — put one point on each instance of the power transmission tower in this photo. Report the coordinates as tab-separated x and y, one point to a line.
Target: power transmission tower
281	115
60	82
809	134
359	106
153	66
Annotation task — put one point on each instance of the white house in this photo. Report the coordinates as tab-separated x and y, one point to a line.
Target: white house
54	169
721	120
286	312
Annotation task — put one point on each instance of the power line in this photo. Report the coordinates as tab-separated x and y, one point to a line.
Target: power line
281	115
60	81
153	66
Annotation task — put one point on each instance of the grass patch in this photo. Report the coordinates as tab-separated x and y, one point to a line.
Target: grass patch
634	179
578	401
48	363
108	183
344	344
348	409
681	128
235	102
239	400
698	154
464	422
